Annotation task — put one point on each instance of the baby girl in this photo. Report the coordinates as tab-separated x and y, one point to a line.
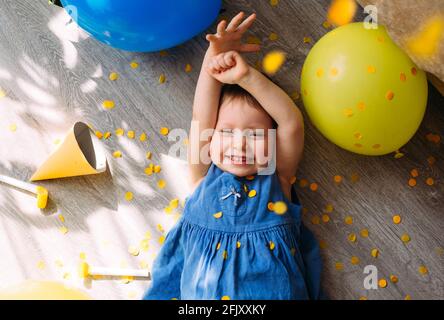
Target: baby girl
241	234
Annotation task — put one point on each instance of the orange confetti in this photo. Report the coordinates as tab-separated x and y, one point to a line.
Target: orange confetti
414	173
390	95
314	187
337	179
341	12
430	181
412	182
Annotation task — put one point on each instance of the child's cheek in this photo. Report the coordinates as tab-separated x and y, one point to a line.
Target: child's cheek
261	151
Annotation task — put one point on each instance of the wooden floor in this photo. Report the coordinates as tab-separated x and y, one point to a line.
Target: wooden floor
53	75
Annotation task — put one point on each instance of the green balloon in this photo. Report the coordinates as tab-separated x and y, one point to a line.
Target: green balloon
362	92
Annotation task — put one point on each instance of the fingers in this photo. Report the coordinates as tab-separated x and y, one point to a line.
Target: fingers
211	37
249	47
235	22
246	23
221	28
230	58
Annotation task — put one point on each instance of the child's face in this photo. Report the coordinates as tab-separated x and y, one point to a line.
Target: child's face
240	142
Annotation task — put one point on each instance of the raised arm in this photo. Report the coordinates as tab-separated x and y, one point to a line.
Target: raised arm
290	125
208	89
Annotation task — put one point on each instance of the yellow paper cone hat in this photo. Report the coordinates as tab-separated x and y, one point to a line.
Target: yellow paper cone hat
79	154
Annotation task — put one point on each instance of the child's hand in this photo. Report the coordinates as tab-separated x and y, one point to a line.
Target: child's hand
228	67
229	38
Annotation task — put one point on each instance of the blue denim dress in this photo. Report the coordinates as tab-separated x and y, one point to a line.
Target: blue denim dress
246	251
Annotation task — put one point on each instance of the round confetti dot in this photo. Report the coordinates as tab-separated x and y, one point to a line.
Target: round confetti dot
361	106
107	134
371	69
390	95
303	183
375	253
133	250
148	171
280	207
339	266
352	237
414	71
307	40
348	112
382	283
117	154
414	173
270	206
349	220
363	298
148	155
315	220
252	193
98	134
329	208
108	104
157	168
430	181
405	238
393	278
131	134
238	244
63	230
273	61
364	233
358	145
357	135
162	78
273	36
13	127
119	132
218	246
113	76
412	182
129	196
225	254
355	177
376	146
161	184
337	179
326	25
320	72
142	136
354	260
407	297
188	68
423	270
397	219
218	215
134	65
403	77
325	218
334	72
322	244
161	239
225	298
249	178
271	245
313	187
164	131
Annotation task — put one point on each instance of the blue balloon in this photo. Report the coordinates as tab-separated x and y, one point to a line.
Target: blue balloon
143	25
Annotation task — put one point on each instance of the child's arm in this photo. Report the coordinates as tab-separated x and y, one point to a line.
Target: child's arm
290	130
208	89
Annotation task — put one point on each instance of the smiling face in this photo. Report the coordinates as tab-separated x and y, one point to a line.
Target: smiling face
239	144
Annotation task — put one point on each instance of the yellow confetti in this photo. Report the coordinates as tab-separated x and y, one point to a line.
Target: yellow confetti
339	266
273	61
426	42
113	76
117	154
238	244
423	270
164	131
108	104
352	237
142	136
148	155
41	264
61	218
349	220
162	78
252	193
131	134
188	68
133	250
82	256
134	65
128	196
315	220
371	69
397	219
382	283
271	245
2	93
225	254
157	169
326	25
144	244
161	183
348	112
280	207
405	238
307	40
273	36
161	239
63	230
341	12
364	233
329	208
148	171
174	203
393	278
218	246
120	132
218	215
58	263
322	244
325	218
225	298
12	127
408	297
354	260
107	134
98	134
375	253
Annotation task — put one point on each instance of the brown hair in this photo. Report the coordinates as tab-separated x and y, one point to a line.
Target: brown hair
233	91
